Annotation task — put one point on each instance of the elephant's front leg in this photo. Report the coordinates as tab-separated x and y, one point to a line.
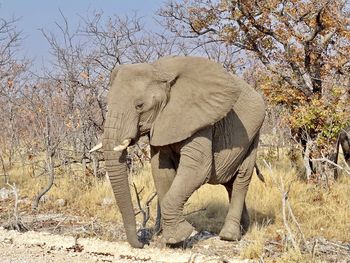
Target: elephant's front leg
193	171
163	169
237	210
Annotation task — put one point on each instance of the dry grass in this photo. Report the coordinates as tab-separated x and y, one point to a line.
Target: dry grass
255	247
83	195
320	211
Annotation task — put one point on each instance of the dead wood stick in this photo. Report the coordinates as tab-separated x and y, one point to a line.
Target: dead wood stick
284	194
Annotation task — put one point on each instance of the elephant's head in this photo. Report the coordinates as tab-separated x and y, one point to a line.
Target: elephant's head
170	99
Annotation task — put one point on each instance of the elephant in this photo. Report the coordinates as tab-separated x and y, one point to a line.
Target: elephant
203	125
343	141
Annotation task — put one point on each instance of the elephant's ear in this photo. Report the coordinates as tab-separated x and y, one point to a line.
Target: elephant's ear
201	93
114	74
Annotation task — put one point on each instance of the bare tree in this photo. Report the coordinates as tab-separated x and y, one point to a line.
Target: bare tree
12	76
302	47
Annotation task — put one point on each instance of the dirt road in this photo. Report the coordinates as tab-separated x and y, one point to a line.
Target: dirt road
40	247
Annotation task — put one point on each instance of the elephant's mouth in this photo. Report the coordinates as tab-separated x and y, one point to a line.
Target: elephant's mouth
144	128
133	141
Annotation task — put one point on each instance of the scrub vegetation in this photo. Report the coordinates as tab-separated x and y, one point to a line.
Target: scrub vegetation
294	52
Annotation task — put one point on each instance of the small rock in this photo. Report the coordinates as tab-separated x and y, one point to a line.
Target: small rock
107	201
4	194
61	202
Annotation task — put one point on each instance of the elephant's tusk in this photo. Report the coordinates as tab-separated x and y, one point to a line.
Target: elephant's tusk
97	147
123	146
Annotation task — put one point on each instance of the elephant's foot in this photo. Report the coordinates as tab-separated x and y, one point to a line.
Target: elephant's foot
231	232
177	233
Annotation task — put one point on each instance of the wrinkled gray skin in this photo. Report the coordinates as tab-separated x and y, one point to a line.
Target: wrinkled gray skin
344	142
203	125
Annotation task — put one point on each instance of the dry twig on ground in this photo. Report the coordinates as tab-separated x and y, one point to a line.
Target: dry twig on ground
286	208
146	210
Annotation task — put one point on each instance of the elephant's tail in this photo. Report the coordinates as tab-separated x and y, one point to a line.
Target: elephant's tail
259	174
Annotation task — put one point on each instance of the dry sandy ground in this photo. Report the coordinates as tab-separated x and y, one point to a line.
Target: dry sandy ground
40	247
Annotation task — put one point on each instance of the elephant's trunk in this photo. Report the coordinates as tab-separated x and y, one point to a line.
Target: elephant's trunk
118	176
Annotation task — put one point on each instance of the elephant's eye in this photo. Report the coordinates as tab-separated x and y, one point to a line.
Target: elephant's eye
139	106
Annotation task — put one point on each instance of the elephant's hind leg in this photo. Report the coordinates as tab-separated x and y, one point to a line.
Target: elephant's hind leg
245	220
238	214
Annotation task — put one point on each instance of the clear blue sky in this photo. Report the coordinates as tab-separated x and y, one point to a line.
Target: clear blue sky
36	14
